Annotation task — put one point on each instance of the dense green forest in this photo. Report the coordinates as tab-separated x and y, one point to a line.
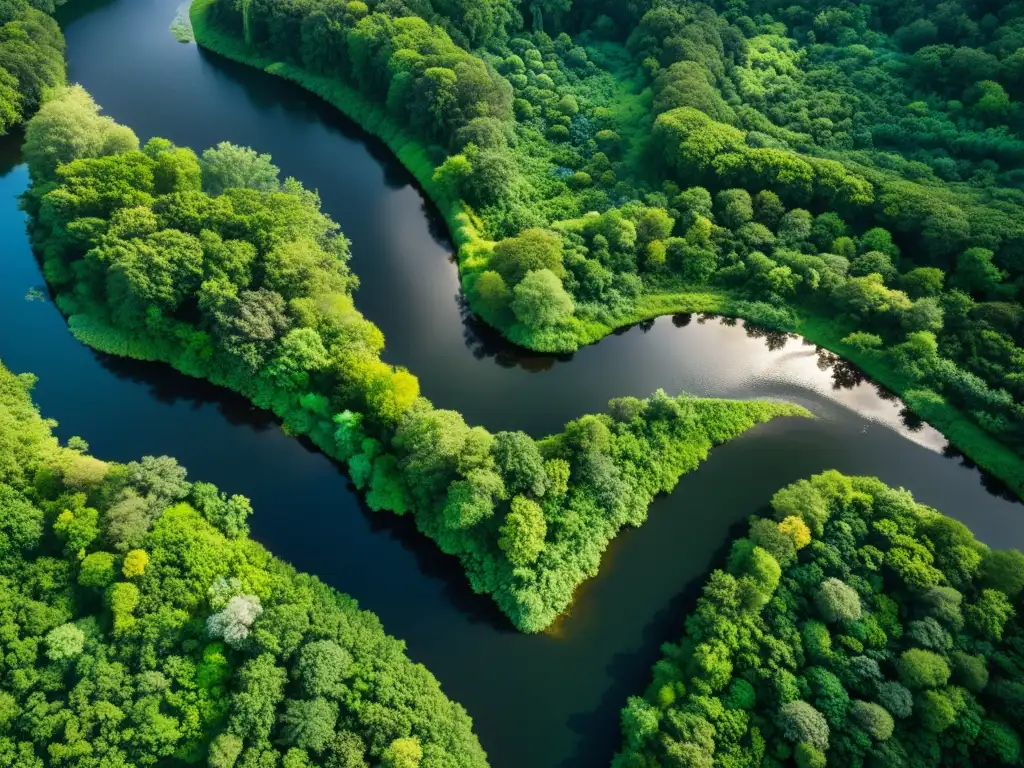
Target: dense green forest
213	264
31	58
847	170
141	626
851	627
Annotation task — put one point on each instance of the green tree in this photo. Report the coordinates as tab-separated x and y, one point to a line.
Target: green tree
68	127
541	301
532	250
64	642
228	166
309	723
523	532
922	669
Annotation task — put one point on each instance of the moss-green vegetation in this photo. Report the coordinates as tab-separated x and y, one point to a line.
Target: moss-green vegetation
181	26
31	58
852	627
141	626
214	265
807	129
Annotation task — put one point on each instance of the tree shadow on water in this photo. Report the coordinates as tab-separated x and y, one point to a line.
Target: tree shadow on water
598	730
484	341
171	387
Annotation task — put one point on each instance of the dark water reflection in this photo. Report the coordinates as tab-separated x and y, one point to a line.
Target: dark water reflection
544	701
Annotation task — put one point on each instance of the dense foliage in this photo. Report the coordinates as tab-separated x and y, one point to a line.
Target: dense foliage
213	264
31	58
852	627
140	626
851	170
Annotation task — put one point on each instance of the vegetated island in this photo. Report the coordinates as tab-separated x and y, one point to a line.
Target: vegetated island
214	265
845	171
140	625
851	627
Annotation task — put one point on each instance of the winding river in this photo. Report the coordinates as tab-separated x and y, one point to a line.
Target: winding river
542	701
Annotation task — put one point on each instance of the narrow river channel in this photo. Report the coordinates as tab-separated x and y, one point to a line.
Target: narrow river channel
548	701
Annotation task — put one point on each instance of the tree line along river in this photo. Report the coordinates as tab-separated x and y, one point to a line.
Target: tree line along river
546	701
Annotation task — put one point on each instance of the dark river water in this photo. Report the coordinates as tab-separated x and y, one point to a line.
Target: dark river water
547	701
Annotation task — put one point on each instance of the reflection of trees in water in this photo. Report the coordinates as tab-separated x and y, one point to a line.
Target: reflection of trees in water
774	340
845	375
911	421
682	320
484	341
170	387
990	483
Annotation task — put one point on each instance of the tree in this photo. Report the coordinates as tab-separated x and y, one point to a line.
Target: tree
797	530
160	479
260	689
402	753
800	722
975	273
936	710
229	515
135	563
735	206
308	723
804	501
67	127
969	671
322	667
807	756
531	250
639	720
991	102
1000	742
922	282
97	570
837	601
127	522
64	642
493	292
523	532
251	330
895	698
224	750
124	599
234	622
521	465
873	719
989	614
922	669
228	166
541	301
1003	569
767	535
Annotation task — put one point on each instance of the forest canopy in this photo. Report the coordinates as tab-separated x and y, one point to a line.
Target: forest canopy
140	625
852	627
31	59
